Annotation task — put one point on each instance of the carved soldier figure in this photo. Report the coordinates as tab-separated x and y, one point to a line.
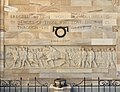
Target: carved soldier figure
79	56
113	60
83	57
70	54
16	56
104	58
108	57
24	59
42	58
99	57
92	57
68	57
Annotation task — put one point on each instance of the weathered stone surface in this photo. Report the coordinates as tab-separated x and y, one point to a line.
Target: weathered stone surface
103	2
89	24
60	3
102	42
18	2
40	2
26	8
81	2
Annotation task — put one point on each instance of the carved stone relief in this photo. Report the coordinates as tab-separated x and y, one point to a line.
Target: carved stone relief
59	57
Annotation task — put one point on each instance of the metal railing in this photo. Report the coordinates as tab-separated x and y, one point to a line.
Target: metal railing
96	85
84	85
23	86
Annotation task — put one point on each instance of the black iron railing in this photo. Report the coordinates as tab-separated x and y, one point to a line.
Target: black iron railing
84	85
23	86
96	85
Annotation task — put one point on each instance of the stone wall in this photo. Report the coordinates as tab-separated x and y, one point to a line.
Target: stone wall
60	38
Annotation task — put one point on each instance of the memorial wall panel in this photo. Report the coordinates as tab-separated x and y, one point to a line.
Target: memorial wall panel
60	38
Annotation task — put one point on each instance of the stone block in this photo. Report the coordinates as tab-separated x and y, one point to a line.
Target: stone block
102	42
60	3
102	3
19	71
10	35
34	70
80	42
48	9
100	70
81	3
70	8
40	2
109	34
95	34
26	8
16	41
28	76
18	2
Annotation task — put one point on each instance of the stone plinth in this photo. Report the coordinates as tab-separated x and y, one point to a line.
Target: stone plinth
63	89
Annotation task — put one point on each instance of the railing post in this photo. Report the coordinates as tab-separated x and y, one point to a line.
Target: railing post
98	84
28	87
21	84
47	88
84	84
78	88
115	85
35	84
91	87
41	88
110	81
15	88
0	85
9	84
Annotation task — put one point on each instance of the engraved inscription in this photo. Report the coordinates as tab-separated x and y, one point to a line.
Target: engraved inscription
40	21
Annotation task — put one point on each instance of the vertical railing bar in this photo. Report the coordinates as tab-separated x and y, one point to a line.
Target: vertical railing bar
78	88
35	84
15	88
0	85
9	85
41	88
98	84
84	84
28	87
91	87
110	81
47	88
104	88
71	88
4	88
115	86
21	84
